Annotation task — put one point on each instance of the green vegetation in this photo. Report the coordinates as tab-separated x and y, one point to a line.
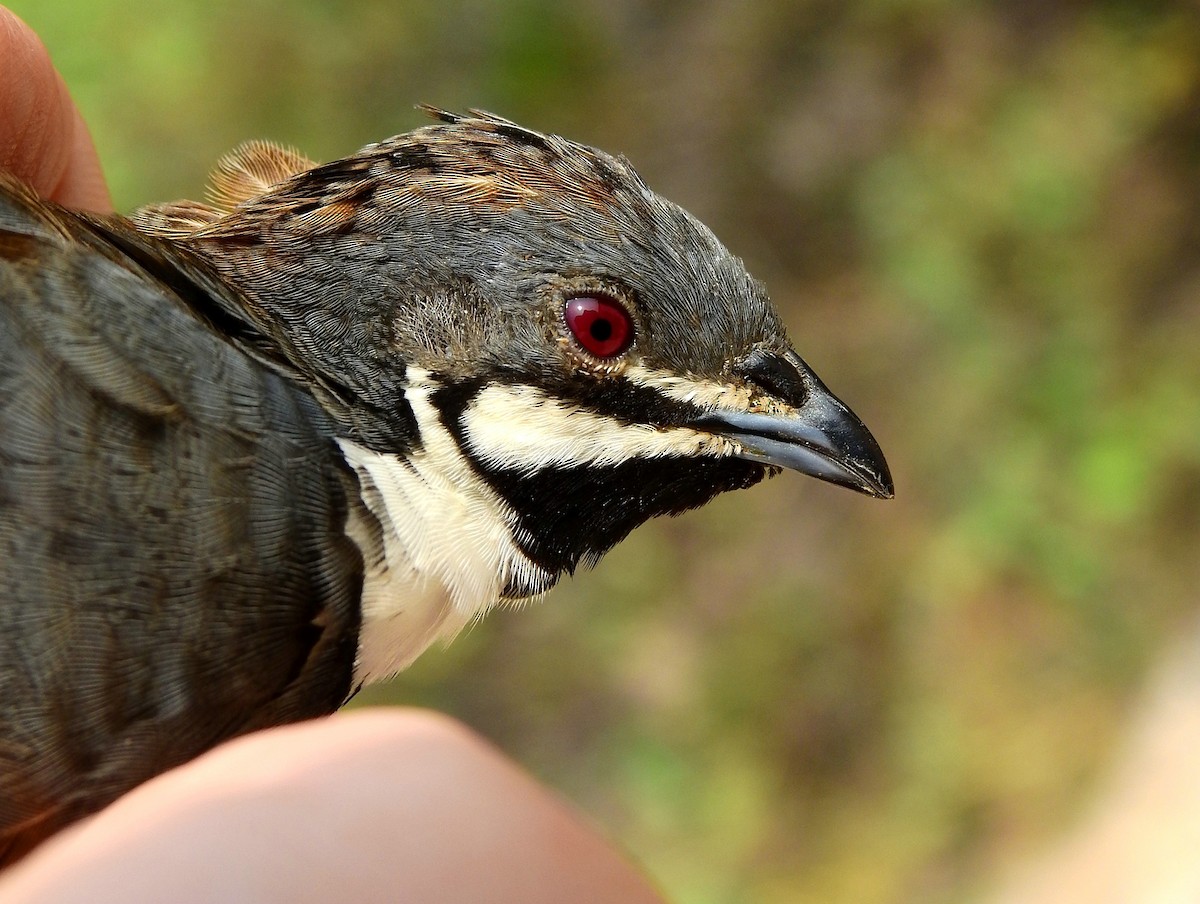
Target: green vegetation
982	221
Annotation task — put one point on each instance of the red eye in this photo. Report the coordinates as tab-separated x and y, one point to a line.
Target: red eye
600	325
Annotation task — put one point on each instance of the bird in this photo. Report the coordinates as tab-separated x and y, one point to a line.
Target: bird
260	451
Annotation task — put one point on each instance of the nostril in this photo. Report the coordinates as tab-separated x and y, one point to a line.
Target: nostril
774	373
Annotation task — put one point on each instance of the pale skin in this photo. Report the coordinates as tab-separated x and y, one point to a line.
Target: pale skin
383	805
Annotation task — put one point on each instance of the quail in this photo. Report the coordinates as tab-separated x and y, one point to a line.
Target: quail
257	452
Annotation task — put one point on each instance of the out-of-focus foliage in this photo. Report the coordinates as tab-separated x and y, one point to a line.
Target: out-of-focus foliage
983	223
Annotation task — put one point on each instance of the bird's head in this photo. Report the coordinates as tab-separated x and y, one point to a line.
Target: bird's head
596	355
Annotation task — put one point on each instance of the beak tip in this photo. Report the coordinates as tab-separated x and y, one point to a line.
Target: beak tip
873	482
877	475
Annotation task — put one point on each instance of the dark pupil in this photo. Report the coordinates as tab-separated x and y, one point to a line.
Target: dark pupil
601	330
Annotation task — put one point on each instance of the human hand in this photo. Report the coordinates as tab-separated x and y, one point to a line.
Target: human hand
378	805
43	139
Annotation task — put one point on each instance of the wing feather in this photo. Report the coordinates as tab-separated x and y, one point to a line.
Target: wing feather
173	565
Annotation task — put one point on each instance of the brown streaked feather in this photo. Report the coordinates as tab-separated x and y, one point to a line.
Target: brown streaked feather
478	160
251	169
175	219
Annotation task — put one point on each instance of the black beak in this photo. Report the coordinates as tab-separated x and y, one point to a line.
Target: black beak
823	438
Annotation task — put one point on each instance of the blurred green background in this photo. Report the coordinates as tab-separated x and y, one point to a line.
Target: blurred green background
982	223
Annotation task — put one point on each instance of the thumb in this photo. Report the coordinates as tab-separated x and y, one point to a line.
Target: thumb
43	139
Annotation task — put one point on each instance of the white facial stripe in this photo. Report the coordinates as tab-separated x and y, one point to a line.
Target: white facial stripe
705	393
448	544
522	428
